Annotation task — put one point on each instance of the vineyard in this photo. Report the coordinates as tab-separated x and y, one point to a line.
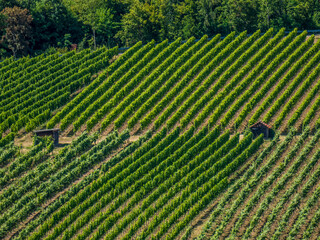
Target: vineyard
161	146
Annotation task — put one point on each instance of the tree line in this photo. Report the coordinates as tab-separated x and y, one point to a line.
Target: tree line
36	26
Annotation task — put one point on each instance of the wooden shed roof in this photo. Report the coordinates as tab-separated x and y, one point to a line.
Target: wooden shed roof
47	130
260	122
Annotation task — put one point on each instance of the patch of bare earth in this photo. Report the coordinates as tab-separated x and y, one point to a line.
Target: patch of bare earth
316	38
68	131
134	138
25	141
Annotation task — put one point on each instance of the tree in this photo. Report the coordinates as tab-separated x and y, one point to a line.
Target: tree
304	13
186	21
51	22
209	14
239	15
97	14
273	13
101	22
141	23
2	23
265	14
17	29
8	3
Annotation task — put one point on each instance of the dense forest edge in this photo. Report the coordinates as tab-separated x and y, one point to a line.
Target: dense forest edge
48	26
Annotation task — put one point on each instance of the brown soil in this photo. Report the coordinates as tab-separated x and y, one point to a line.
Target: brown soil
68	131
316	38
26	142
134	138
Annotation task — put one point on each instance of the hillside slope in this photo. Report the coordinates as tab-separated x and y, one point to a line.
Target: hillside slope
160	144
233	82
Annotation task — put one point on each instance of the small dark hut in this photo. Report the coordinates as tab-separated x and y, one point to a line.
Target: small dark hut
54	133
261	127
